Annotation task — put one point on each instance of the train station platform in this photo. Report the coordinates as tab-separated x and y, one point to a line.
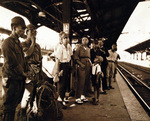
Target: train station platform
118	105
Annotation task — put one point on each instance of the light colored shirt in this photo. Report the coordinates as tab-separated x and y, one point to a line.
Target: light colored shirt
112	56
96	69
64	54
56	47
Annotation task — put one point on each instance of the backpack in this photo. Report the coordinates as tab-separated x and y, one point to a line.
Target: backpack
49	109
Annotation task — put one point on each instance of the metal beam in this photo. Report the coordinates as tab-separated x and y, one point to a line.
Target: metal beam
45	11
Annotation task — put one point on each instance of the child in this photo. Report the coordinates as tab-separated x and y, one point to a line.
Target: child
97	74
63	58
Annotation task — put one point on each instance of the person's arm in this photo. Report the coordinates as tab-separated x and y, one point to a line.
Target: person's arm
31	48
58	57
77	58
10	57
71	52
40	60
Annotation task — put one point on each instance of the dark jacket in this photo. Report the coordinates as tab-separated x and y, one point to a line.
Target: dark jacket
104	55
93	54
14	61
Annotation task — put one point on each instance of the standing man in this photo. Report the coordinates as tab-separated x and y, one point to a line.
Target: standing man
102	51
112	58
82	58
32	52
13	71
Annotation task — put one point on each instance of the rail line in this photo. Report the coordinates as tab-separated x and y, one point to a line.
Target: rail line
140	89
146	70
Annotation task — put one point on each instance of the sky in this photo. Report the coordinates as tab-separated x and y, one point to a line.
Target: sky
137	28
45	37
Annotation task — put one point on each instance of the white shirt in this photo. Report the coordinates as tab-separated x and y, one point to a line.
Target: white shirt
56	47
112	56
96	69
64	54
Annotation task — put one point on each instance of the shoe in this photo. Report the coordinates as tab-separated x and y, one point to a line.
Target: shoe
83	98
96	102
104	92
64	106
93	100
107	88
111	87
59	99
79	101
66	100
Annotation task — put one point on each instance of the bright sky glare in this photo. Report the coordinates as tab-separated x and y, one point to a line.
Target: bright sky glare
45	37
137	28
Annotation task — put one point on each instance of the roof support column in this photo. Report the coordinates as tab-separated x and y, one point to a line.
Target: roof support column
67	18
67	26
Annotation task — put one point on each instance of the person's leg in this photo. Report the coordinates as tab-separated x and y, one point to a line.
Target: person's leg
108	75
104	81
80	83
95	93
32	94
61	88
87	87
67	81
10	99
112	74
63	83
96	96
25	100
21	89
98	93
101	88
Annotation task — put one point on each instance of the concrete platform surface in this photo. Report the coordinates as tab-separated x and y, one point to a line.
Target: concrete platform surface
111	108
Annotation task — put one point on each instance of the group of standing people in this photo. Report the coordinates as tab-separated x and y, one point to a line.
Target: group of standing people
95	66
22	69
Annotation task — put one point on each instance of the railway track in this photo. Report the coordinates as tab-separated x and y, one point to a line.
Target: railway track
138	87
144	69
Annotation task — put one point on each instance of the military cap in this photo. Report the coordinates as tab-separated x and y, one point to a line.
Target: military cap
30	27
18	21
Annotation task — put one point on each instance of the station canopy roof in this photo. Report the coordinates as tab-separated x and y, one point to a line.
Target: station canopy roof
141	47
94	18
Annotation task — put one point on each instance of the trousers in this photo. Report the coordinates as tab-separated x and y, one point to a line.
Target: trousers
110	72
64	80
83	84
12	96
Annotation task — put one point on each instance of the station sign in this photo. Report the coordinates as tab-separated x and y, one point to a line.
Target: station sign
66	27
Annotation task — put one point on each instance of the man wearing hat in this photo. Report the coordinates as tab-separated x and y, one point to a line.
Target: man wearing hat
13	70
32	52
